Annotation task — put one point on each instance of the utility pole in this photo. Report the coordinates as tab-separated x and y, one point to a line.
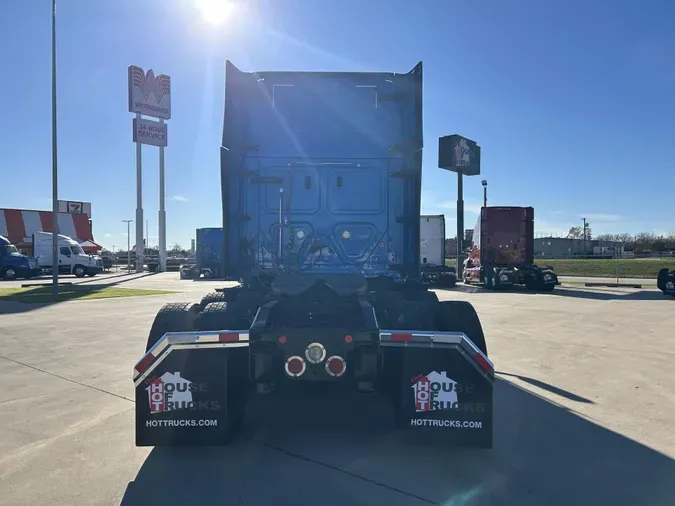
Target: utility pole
585	227
128	222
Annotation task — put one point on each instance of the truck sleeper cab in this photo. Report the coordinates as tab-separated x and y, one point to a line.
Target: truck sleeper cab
71	257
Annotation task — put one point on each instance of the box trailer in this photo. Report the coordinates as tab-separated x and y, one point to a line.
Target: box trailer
432	252
502	254
321	177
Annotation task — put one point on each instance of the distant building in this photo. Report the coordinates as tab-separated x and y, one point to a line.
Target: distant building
560	247
19	225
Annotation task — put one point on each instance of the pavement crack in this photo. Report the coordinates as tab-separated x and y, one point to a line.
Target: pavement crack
342	471
36	395
66	379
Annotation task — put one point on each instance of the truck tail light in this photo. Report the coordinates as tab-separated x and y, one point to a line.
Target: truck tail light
295	366
336	366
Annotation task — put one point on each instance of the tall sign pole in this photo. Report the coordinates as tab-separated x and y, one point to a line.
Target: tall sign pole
149	95
162	212
139	205
461	155
55	193
460	220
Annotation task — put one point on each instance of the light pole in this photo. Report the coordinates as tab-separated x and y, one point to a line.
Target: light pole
484	183
55	195
128	222
585	227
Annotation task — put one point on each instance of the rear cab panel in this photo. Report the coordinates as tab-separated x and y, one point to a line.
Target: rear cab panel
335	159
506	236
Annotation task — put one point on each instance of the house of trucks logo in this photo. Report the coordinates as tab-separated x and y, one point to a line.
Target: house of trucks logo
435	391
171	392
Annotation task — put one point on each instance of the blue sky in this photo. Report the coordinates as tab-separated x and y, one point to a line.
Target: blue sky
573	103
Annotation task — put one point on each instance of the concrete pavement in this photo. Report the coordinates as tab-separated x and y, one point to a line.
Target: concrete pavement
584	413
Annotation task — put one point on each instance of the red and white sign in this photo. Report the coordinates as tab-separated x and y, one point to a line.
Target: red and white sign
149	94
74	207
435	391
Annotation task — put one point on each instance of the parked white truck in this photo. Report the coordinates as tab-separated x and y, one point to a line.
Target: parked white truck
72	258
432	252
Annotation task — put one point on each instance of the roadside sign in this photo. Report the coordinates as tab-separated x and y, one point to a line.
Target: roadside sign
74	207
149	94
459	154
150	132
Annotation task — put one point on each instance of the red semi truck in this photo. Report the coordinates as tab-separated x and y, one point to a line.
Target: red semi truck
502	254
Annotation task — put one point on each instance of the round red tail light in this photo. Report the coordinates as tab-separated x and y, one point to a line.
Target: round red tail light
336	366
295	366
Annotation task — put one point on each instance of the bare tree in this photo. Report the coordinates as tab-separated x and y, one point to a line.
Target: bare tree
575	233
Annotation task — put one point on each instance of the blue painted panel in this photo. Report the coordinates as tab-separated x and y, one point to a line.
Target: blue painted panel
321	171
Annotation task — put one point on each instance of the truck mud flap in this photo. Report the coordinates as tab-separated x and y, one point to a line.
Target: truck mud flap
191	388
444	387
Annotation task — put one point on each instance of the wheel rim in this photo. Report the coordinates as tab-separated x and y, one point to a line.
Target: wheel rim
79	271
10	273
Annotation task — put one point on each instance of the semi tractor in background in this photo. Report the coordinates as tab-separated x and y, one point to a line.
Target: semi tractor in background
502	254
209	251
665	281
432	252
71	257
321	180
13	264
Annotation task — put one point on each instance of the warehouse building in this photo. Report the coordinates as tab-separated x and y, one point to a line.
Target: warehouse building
562	247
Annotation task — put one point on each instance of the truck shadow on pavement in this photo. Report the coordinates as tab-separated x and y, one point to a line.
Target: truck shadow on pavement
544	454
601	294
581	293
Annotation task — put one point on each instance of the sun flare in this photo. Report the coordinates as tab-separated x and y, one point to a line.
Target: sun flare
214	12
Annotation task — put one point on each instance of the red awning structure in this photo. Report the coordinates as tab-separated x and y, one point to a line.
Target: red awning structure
19	225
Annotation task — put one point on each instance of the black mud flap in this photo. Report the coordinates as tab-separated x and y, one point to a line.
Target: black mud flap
191	389
446	386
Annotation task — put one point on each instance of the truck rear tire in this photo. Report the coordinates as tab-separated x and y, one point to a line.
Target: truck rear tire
212	297
221	316
447	281
661	279
488	281
226	295
173	317
460	316
416	315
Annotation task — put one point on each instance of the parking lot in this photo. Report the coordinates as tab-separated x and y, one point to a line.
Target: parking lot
584	413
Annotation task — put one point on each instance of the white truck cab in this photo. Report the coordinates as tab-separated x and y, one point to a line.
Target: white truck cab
72	258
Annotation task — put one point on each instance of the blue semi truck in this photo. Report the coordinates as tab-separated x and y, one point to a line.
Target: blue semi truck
13	264
321	181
